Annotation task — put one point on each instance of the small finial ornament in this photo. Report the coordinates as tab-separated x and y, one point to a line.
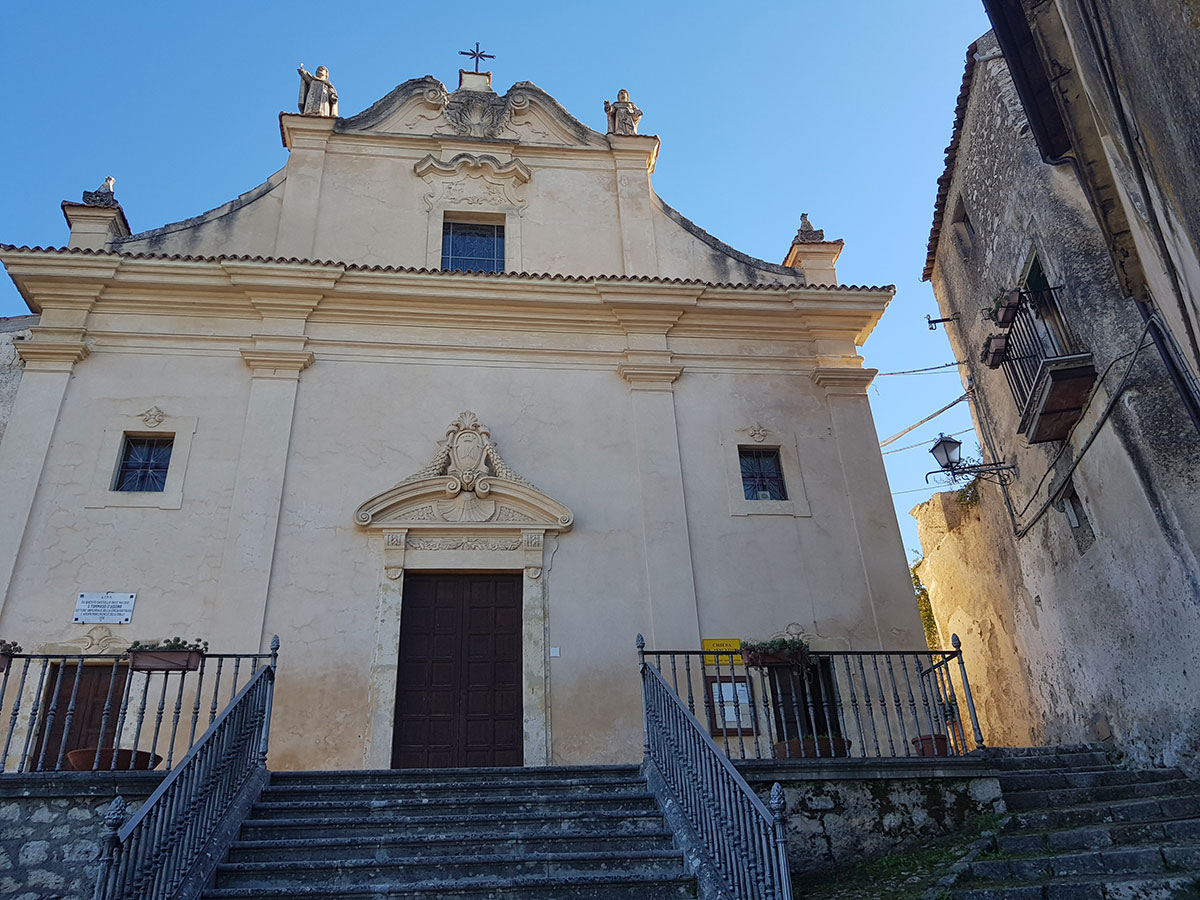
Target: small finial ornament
623	116
103	195
807	234
318	97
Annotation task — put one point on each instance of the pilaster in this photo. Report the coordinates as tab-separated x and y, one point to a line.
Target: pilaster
868	494
306	137
635	156
49	358
651	373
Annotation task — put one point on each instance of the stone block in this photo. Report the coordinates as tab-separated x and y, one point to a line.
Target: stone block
34	853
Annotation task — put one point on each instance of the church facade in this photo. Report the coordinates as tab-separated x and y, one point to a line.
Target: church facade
455	405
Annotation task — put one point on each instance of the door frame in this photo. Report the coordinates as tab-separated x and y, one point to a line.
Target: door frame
529	552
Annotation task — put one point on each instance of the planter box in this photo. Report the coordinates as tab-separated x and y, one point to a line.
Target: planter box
5	660
758	659
1006	312
812	748
931	745
997	346
81	760
165	660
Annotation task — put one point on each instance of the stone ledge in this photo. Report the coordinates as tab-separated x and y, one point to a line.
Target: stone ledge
80	784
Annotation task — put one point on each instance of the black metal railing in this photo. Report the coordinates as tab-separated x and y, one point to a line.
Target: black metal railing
98	712
152	854
910	703
1039	332
743	840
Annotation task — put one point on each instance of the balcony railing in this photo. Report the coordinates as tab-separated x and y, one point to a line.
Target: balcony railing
911	703
1048	370
94	712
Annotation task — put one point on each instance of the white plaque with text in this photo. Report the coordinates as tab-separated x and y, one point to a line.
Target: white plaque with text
109	607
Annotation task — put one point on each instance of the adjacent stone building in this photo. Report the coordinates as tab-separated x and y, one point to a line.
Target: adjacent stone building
452	392
1075	586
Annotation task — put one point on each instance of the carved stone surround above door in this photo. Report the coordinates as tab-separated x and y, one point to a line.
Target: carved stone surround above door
467	509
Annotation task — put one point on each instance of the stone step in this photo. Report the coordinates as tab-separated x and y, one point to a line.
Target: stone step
437	791
1109	887
1150	809
1046	780
1061	798
616	886
647	864
497	805
497	774
393	846
1144	860
1096	837
1074	761
561	821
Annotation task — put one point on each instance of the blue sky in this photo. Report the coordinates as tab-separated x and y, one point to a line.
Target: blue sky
765	110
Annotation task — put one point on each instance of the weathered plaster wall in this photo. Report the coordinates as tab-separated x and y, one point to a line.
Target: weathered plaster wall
977	591
50	831
837	818
1111	593
12	329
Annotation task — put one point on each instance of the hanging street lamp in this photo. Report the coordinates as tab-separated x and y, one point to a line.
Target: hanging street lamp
948	453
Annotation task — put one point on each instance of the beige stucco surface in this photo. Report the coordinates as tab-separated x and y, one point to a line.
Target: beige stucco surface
307	390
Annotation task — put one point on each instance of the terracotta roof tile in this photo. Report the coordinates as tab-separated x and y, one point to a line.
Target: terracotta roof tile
939	206
539	276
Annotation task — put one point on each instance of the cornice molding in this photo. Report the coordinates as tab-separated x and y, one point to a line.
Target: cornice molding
291	361
52	355
846	381
651	376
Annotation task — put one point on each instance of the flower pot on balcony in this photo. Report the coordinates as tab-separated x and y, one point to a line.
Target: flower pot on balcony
994	350
165	660
5	659
81	760
931	745
1006	308
822	746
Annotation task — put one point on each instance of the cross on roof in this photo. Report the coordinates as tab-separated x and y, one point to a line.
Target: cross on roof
476	55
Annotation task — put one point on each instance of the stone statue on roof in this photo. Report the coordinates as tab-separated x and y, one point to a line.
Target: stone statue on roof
317	96
103	195
623	116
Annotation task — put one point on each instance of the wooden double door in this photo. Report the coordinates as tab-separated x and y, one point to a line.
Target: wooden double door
459	691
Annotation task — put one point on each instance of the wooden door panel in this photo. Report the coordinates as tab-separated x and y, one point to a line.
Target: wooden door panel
459	697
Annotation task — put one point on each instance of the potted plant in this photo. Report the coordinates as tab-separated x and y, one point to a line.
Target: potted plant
1004	308
169	655
8	649
994	349
779	651
931	745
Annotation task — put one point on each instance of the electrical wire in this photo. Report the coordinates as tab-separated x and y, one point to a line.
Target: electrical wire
921	371
899	434
911	446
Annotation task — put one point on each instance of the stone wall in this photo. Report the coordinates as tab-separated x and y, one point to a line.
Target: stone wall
845	810
972	574
1077	580
14	329
50	830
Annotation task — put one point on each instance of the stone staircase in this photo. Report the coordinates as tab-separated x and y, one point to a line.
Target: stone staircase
567	833
1081	828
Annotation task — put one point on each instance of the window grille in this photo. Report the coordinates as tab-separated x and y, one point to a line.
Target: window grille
762	474
144	463
472	247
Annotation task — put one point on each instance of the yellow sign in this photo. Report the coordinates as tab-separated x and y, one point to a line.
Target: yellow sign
721	648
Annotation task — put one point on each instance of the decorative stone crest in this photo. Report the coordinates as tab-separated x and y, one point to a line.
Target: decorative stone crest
153	417
758	434
466	484
473	180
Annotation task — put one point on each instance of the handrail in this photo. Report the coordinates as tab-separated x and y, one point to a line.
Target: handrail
151	855
743	839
